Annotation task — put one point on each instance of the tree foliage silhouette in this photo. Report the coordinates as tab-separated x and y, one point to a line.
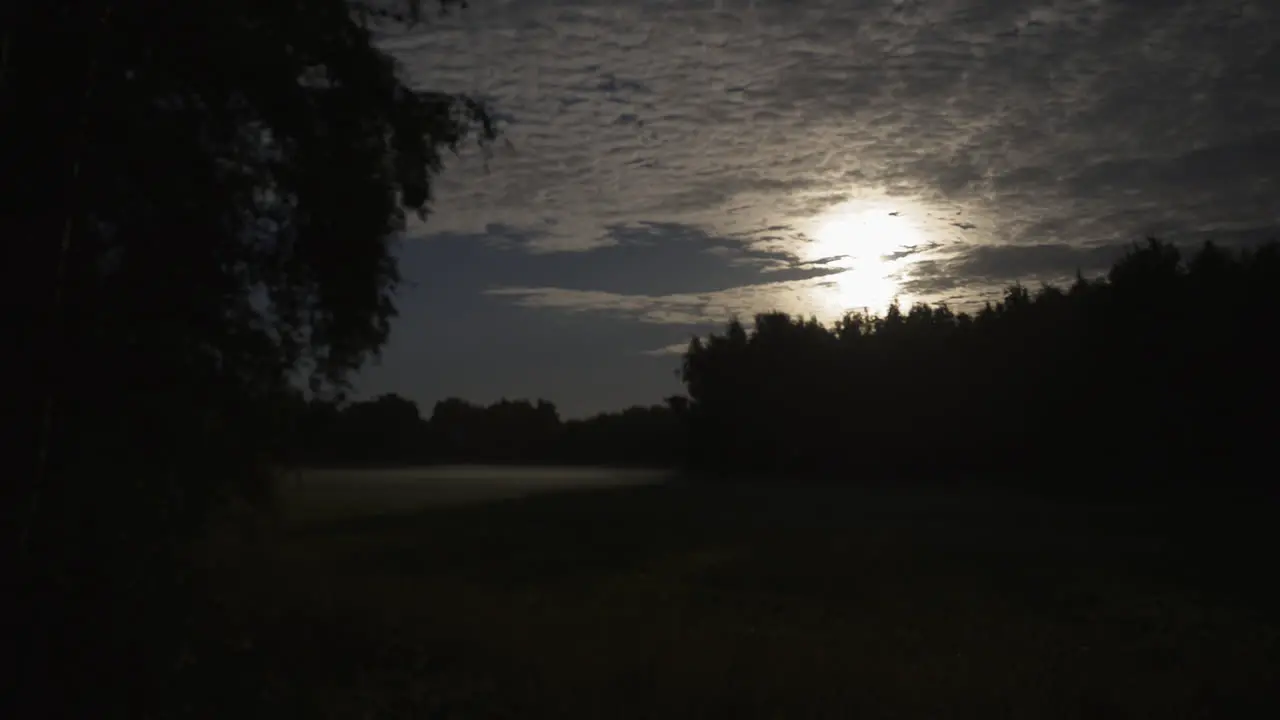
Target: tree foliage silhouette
200	206
388	430
1161	373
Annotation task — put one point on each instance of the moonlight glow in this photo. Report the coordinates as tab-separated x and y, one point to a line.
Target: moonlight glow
862	243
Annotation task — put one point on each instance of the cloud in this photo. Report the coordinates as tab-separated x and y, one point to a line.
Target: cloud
968	275
666	164
806	297
672	349
1058	127
1019	262
646	257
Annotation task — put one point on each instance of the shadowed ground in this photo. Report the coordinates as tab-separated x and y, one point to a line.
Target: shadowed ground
315	495
680	601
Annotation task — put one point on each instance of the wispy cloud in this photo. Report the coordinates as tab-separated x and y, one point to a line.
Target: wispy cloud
1066	124
798	297
673	349
670	161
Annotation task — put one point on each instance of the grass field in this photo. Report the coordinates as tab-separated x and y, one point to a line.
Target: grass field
676	601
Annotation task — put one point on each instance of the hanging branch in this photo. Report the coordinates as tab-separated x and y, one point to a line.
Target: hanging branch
44	440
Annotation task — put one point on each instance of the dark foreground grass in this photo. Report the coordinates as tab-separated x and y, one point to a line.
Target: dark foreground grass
667	602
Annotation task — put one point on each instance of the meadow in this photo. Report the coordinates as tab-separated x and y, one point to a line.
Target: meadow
640	600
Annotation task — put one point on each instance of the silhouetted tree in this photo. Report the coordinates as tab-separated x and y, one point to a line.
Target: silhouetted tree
200	205
505	432
532	433
653	436
1161	373
386	430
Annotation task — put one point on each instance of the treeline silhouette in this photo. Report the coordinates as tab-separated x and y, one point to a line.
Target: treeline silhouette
1162	372
390	430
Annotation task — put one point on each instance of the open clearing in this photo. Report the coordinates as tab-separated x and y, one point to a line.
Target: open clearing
316	495
670	601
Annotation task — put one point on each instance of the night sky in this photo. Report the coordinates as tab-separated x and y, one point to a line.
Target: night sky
665	165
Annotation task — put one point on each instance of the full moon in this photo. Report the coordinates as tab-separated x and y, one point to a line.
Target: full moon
862	243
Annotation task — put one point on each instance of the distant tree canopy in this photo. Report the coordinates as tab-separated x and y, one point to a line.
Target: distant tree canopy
388	430
654	436
506	431
1163	369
